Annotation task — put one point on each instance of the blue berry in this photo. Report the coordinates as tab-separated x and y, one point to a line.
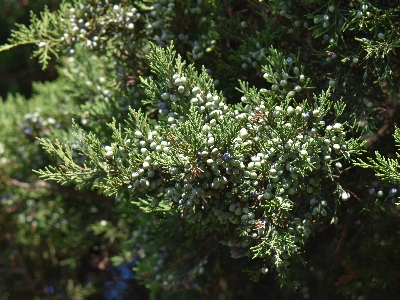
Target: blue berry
163	111
393	191
132	263
28	131
126	273
49	290
226	156
181	202
289	60
306	115
120	286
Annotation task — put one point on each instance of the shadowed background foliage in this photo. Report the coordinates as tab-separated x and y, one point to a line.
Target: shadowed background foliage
17	69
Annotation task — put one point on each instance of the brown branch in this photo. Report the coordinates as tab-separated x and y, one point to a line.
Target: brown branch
38	184
24	271
67	191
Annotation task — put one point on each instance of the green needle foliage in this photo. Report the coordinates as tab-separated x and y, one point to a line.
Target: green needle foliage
211	138
224	170
386	168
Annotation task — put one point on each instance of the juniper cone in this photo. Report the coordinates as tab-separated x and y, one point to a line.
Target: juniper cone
185	142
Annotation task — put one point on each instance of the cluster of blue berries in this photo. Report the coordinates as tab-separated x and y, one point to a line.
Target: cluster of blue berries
285	77
36	125
120	287
96	24
220	184
376	190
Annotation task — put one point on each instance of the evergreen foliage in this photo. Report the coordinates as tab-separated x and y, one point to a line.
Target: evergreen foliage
18	70
189	141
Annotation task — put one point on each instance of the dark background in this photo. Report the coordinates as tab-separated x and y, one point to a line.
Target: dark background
17	69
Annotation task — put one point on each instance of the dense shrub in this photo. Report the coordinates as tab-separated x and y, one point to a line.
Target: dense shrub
187	141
